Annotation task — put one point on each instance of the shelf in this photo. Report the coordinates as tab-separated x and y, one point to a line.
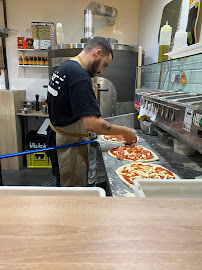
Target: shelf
33	50
33	66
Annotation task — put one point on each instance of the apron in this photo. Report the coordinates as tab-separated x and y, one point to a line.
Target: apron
73	161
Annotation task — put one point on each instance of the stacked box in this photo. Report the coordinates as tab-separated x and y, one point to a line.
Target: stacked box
41	30
41	44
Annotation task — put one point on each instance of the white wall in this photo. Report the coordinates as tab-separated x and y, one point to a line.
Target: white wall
20	14
149	22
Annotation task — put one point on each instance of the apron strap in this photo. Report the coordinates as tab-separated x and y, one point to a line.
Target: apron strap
61	132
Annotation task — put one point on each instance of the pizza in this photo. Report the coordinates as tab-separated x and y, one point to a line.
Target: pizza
133	153
129	172
114	138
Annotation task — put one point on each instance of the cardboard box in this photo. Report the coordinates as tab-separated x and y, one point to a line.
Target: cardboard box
20	42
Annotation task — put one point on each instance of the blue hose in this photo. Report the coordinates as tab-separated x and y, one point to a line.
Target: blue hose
44	149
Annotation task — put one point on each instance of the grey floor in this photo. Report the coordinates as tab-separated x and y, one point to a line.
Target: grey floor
28	177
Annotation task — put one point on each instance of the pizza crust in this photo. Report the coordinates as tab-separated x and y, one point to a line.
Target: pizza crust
140	160
126	182
103	138
118	171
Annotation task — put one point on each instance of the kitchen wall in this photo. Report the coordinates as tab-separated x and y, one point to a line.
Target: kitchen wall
149	22
21	13
191	66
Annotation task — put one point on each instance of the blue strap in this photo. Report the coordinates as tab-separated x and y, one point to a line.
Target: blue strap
44	149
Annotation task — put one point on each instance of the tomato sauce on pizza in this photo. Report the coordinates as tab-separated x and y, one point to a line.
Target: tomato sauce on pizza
133	153
128	173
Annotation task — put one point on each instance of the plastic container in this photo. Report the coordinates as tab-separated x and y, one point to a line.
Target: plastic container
164	43
38	160
183	149
52	191
180	40
148	128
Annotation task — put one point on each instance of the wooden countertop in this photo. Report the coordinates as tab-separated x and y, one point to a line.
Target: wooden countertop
100	233
33	113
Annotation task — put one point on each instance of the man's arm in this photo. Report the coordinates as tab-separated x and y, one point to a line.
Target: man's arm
101	126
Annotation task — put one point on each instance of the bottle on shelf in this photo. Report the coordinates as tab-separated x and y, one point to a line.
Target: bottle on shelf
21	60
37	102
164	43
26	60
25	43
46	61
30	60
35	60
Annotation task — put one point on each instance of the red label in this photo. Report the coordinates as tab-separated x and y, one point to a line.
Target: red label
137	105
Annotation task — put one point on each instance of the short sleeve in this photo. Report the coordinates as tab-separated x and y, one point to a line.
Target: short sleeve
83	100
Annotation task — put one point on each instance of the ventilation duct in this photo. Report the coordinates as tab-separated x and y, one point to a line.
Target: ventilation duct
97	9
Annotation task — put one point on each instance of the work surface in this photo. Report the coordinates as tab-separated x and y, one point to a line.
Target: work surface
185	167
100	233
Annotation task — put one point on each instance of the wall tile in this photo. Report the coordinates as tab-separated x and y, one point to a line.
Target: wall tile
196	76
199	89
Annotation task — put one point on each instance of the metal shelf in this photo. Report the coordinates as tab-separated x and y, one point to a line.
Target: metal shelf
33	66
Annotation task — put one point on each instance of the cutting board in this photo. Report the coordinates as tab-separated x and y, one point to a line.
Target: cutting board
194	8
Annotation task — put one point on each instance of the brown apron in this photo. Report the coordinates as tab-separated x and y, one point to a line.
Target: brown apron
73	161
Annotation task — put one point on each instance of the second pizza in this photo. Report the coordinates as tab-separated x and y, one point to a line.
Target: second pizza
133	153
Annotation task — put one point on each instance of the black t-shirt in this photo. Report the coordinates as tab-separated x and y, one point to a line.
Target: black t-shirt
70	95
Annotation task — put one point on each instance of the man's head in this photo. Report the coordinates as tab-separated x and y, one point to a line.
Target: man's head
100	55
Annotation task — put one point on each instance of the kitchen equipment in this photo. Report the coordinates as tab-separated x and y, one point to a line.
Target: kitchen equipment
177	115
44	109
25	110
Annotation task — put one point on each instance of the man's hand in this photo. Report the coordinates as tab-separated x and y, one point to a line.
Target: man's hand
130	136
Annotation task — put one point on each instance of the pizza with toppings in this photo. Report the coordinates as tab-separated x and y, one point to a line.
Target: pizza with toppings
114	138
129	172
133	153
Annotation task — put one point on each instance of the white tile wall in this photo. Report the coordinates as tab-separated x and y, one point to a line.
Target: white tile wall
191	66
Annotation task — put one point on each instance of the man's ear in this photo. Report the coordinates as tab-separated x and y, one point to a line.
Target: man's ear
98	53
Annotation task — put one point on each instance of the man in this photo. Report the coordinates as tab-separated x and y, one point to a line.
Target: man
74	111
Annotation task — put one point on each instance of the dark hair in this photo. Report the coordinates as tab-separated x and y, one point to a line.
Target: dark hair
99	43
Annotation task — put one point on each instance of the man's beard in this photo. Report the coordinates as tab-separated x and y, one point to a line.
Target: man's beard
93	70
